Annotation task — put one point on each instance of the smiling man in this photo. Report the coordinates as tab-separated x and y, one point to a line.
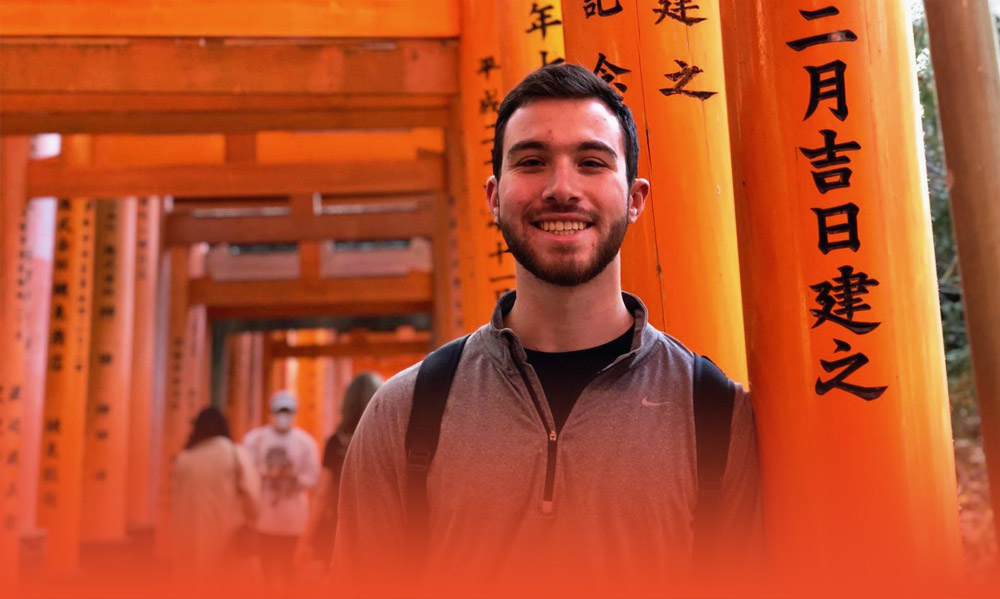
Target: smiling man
567	447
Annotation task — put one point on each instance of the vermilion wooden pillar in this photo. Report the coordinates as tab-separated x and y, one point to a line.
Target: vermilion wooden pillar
967	74
60	488
666	60
41	241
487	270
110	385
258	389
239	381
141	502
309	385
13	209
175	417
605	42
840	296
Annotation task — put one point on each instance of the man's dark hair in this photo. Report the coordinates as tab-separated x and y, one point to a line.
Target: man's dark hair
567	81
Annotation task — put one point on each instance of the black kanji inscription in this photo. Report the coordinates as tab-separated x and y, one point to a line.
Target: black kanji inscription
847	367
841	298
542	19
678	11
842	234
609	72
681	78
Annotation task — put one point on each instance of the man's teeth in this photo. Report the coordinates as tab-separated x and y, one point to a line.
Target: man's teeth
562	227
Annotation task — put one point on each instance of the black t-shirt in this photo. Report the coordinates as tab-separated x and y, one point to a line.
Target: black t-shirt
564	374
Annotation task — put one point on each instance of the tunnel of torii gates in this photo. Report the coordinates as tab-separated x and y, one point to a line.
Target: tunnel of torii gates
206	203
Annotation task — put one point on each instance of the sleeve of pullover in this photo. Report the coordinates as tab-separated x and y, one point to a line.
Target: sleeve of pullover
741	512
369	553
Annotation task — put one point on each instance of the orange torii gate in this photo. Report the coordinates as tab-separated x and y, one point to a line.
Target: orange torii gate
843	323
145	423
64	426
109	395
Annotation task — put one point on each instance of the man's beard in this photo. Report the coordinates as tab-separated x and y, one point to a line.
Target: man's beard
568	274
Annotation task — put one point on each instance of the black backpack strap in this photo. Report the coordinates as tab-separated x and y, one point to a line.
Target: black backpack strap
430	394
714	394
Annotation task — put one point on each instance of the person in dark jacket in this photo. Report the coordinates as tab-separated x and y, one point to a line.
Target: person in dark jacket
316	543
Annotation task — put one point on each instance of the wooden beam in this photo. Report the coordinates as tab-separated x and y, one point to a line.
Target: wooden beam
69	102
351	348
53	179
241	147
22	123
186	229
414	287
348	309
259	18
244	66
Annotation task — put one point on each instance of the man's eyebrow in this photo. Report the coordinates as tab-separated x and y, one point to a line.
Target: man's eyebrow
526	144
598	146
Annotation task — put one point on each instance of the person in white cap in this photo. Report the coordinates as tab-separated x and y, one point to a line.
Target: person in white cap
287	459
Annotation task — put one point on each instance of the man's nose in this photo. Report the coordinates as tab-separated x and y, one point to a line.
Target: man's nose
561	186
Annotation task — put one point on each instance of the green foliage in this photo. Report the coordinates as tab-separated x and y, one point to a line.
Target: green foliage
949	276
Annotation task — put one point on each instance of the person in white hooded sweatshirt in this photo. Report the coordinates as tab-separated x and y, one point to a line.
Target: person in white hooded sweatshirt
287	459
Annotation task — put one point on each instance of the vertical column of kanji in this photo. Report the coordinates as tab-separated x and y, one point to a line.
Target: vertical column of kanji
839	291
531	36
175	418
680	45
487	271
110	385
140	504
41	242
602	36
13	210
61	485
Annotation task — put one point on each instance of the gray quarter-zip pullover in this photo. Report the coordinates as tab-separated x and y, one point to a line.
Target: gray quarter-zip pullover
603	506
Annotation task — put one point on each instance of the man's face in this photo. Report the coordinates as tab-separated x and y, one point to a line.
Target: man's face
563	201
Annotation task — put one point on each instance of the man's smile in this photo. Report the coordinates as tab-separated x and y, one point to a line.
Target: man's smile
562	227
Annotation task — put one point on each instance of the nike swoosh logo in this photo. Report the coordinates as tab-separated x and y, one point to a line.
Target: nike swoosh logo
646	402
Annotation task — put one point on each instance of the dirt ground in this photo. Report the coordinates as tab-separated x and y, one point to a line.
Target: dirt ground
976	516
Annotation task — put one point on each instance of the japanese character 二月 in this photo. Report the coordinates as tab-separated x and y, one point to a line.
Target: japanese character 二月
843	35
826	82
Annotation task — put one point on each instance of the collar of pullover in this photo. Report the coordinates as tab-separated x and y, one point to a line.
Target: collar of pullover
503	344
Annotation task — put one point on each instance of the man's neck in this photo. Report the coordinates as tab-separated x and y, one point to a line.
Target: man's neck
552	318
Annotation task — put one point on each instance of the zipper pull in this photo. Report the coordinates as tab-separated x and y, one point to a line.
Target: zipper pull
552	436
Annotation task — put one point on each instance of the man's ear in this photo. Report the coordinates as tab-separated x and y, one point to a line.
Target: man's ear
493	196
637	199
